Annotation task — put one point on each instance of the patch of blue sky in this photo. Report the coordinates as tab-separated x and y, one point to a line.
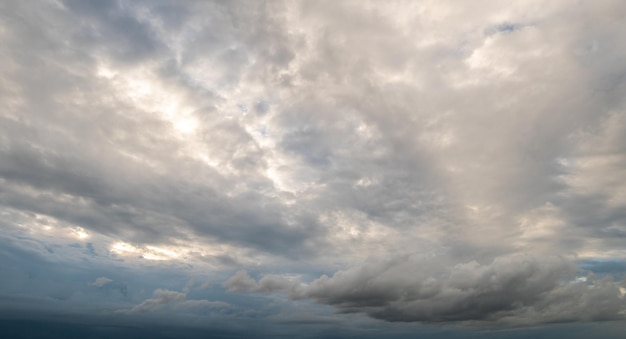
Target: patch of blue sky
601	266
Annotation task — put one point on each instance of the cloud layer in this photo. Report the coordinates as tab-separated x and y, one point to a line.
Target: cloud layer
514	290
427	161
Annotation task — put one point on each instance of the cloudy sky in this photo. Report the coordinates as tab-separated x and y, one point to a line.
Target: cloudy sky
313	169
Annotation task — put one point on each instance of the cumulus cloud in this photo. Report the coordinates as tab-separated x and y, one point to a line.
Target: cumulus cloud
242	282
518	289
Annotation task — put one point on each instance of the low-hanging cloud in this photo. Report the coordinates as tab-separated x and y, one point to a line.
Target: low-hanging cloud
518	290
164	299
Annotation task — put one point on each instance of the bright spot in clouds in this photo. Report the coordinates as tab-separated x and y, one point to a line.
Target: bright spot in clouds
149	252
185	126
80	233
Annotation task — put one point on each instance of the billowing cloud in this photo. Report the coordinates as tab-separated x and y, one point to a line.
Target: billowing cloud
242	282
517	290
514	290
430	162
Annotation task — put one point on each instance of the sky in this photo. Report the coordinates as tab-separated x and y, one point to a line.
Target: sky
312	169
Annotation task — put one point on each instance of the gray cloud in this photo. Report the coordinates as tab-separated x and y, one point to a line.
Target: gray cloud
518	290
161	300
300	138
164	298
103	165
241	282
416	163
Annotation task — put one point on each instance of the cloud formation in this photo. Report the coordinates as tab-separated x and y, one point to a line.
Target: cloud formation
164	298
424	161
137	136
99	282
518	290
242	282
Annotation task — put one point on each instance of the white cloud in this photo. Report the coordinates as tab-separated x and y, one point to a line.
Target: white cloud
100	282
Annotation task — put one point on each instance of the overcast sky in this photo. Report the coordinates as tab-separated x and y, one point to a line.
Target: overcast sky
313	169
